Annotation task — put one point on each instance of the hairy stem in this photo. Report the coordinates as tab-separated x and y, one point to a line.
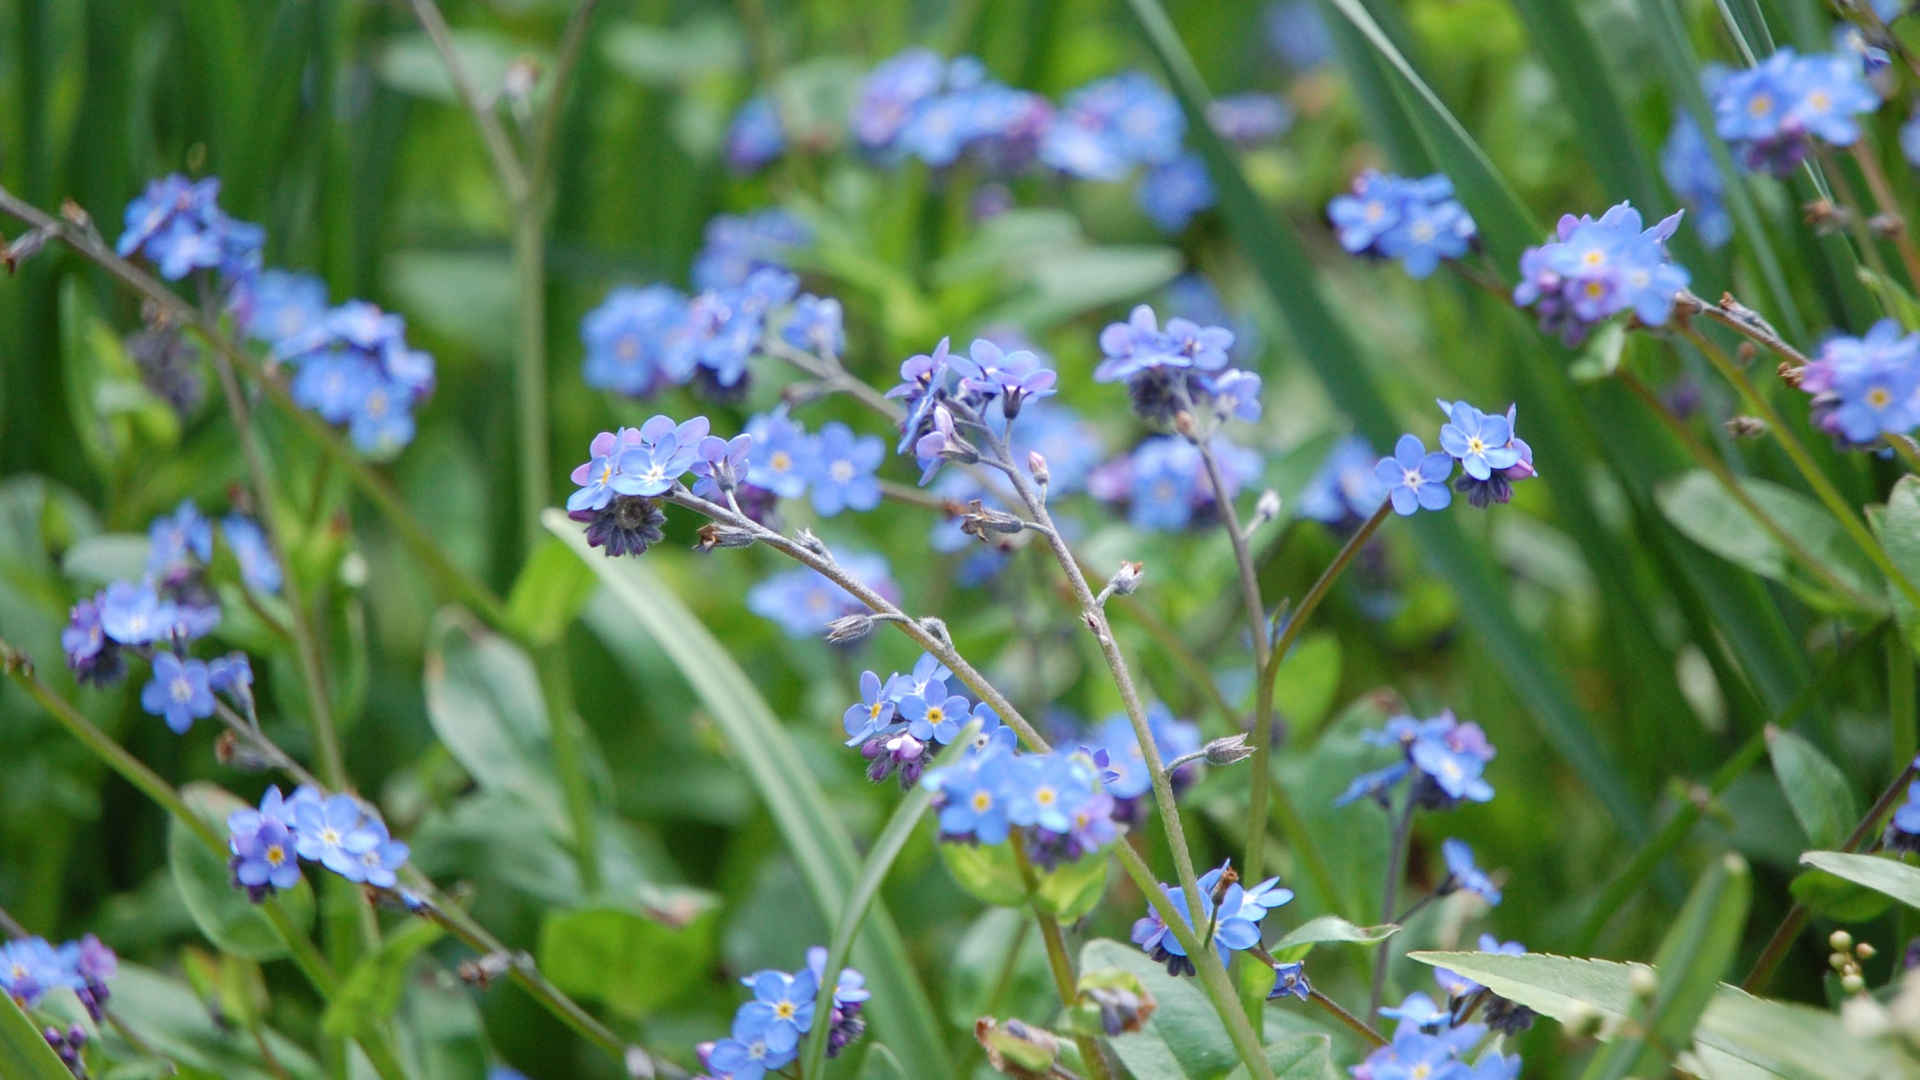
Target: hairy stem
1360	1027
1884	199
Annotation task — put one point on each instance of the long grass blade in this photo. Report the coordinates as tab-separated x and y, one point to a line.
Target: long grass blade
900	1007
1282	263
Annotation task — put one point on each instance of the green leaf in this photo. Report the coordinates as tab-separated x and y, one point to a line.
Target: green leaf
1816	789
549	593
1600	357
468	296
410	63
1183	1038
178	1024
221	911
1836	898
1071	890
666	56
634	963
109	404
1328	930
642	613
107	557
1898	529
371	991
484	702
1701	508
1301	1057
1308	682
1698	947
990	874
24	1053
1737	1033
1062	284
1882	875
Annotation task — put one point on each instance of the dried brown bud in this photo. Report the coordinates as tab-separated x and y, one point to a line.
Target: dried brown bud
1790	374
715	535
1746	427
483	970
1746	353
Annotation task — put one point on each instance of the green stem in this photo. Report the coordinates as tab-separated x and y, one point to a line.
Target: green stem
1264	791
1360	1027
1802	460
1396	866
1721	472
1789	928
530	366
1904	449
1884	199
1901	703
1064	981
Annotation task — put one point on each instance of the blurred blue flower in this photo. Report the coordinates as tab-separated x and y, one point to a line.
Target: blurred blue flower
177	539
736	245
1771	112
178	225
1591	270
1344	488
178	691
1415	221
841	470
1462	873
1689	168
258	567
755	138
624	335
332	833
1297	32
1417	1011
384	856
815	326
782	451
1865	387
94	657
1172	193
1234	919
275	305
1250	118
803	602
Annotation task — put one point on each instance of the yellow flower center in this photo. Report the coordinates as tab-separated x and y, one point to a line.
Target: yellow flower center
627	349
1375	211
1594	257
1761	105
182	691
781	461
1046	796
935	714
784	1010
330	836
981	802
276	855
1879	398
1820	101
1475	446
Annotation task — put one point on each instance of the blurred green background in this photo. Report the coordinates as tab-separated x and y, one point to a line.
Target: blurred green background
1610	659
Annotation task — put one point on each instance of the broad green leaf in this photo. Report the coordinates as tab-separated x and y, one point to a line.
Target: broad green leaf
1071	890
999	937
1184	1037
1882	875
1599	358
24	1053
467	296
632	962
1816	789
1701	508
1898	529
485	704
642	613
1300	1057
177	1023
1062	284
111	408
1328	930
990	873
1832	897
1737	1034
1698	947
371	991
549	593
219	908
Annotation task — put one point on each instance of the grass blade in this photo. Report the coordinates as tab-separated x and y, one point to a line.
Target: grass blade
1282	263
886	848
24	1053
900	1008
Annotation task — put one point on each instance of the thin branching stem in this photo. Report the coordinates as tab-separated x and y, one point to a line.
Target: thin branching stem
507	166
1058	961
1889	207
1389	890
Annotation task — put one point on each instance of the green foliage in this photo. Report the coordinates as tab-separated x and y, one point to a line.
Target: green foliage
633	961
1888	877
23	1050
1816	789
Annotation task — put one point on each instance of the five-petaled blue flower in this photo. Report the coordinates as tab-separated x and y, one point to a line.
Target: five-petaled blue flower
331	833
178	691
1481	442
1415	479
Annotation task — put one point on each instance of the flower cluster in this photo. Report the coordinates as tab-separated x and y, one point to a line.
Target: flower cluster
1689	168
1055	800
1444	756
917	105
767	1031
949	400
1430	1044
642	339
1163	483
160	615
1490	455
335	831
1178	376
1229	912
30	969
1866	387
1392	217
900	723
1772	113
353	367
1592	270
177	224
